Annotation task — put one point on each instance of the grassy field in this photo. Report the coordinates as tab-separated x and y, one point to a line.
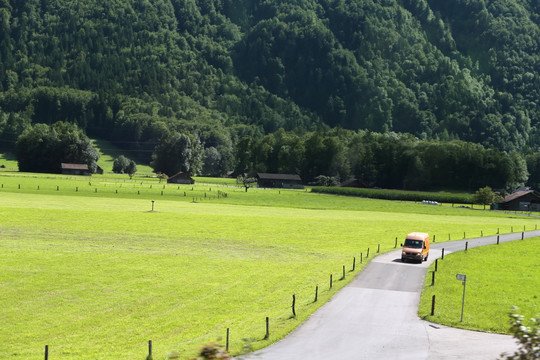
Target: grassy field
108	152
9	162
87	268
498	278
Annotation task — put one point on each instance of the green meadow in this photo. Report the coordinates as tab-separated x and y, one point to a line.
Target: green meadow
88	268
499	277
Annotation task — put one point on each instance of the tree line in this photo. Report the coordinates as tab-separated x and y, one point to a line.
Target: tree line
385	160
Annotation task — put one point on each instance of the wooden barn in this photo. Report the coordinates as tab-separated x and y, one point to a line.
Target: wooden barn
75	169
180	178
286	181
521	200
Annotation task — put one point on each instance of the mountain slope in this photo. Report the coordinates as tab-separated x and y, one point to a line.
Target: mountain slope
131	71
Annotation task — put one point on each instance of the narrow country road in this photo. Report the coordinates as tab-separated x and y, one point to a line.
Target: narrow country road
375	317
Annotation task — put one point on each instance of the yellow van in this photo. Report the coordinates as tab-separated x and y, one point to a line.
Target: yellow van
416	247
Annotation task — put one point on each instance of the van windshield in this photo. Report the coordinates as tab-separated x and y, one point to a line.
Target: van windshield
413	243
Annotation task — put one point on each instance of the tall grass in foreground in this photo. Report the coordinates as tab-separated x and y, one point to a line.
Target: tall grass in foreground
498	278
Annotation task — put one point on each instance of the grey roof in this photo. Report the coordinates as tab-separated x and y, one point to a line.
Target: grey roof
518	194
288	177
180	174
67	166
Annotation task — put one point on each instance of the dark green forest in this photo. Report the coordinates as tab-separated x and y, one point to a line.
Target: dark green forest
236	72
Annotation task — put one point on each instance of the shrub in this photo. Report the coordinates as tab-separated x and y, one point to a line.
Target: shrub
528	337
397	194
212	351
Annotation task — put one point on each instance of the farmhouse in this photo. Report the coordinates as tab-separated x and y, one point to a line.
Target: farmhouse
75	169
521	200
180	178
288	181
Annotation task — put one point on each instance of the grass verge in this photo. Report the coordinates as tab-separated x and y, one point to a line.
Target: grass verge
498	278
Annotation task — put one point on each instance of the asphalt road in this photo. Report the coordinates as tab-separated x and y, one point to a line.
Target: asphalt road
375	317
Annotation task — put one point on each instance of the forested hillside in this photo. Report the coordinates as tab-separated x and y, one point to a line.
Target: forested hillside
131	71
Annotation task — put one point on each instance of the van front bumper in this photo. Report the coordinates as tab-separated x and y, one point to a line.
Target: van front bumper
411	256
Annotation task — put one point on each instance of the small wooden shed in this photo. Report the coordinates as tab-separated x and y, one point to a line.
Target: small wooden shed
75	169
287	181
521	200
180	178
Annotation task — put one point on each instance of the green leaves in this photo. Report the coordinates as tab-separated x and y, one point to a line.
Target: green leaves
118	69
42	148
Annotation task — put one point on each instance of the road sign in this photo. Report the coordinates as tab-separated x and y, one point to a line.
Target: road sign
462	277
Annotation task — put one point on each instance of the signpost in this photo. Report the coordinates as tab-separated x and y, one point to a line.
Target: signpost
462	277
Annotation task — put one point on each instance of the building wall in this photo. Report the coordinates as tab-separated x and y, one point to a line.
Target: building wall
524	203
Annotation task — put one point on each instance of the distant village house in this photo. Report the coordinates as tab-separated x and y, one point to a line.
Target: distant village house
521	200
180	178
75	169
286	181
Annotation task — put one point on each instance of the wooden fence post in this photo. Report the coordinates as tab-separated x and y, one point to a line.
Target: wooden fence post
442	257
149	349
227	343
330	281
46	352
433	278
293	305
433	305
267	336
316	293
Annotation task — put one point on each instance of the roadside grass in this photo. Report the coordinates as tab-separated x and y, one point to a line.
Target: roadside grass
97	275
498	278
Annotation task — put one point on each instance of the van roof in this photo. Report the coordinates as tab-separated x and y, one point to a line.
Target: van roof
417	236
